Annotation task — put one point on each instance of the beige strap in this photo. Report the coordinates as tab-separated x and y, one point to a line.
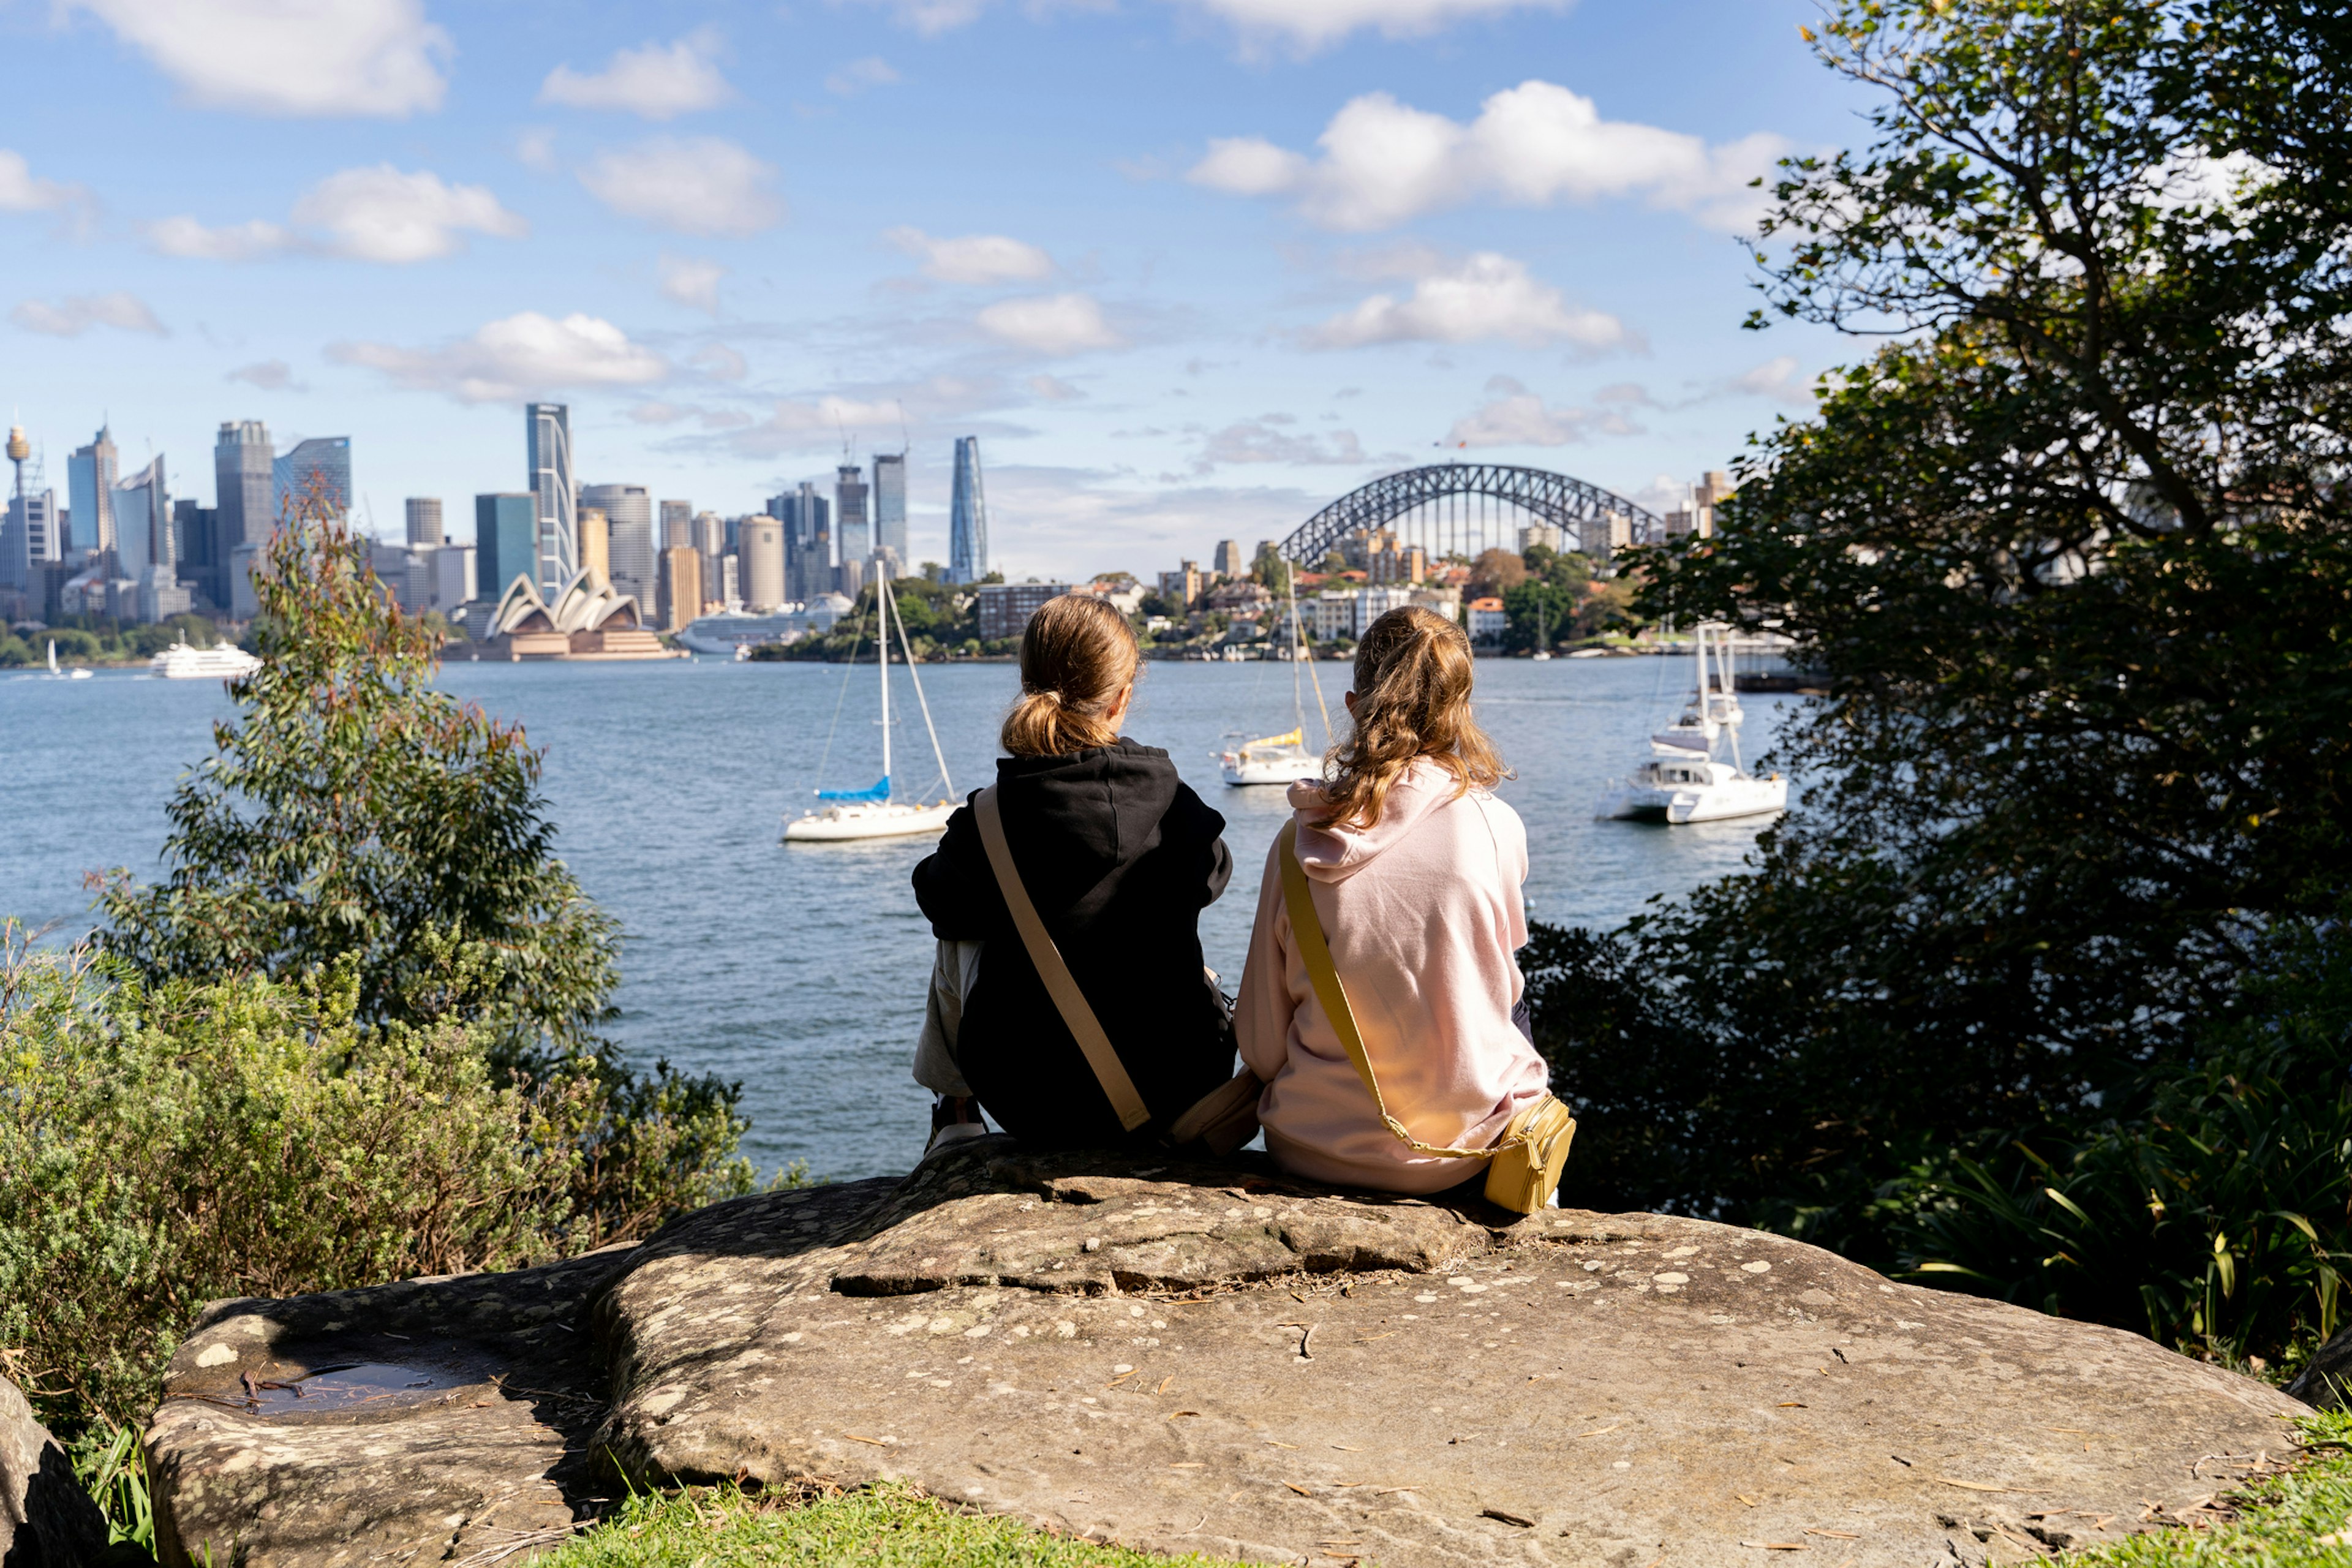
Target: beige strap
1307	927
1110	1071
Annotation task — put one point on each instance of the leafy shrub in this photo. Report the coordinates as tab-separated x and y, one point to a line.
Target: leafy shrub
2216	1218
166	1145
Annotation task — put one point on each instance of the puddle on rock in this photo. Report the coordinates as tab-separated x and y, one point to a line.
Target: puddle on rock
340	1388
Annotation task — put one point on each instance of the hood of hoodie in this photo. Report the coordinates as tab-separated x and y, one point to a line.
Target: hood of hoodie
1085	816
1334	854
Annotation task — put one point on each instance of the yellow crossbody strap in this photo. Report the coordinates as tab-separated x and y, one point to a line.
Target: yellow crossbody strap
1307	927
1068	1000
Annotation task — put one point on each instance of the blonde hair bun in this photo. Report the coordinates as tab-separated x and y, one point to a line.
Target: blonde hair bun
1078	655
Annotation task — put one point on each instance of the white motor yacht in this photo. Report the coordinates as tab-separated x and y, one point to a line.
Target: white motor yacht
1683	780
221	661
56	674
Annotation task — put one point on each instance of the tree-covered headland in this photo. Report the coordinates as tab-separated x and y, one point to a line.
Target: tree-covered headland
2042	990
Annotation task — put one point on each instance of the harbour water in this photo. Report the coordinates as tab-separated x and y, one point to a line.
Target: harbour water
800	971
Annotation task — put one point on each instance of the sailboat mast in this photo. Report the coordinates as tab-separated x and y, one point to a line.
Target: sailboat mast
882	604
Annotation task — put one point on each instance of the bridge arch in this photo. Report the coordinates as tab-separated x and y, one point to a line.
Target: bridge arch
1463	508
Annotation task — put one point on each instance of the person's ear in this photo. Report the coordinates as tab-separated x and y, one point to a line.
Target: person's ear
1350	701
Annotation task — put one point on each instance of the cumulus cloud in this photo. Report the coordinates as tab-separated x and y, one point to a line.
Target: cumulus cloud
719	362
77	313
1485	296
381	213
534	148
1777	379
269	375
1050	324
696	185
295	58
973	258
692	281
849	80
1382	163
655	81
932	17
1514	416
1053	388
515	358
812	426
21	191
1301	25
1260	441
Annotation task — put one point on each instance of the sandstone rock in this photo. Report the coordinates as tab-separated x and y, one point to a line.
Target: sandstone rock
47	1520
1215	1359
2325	1381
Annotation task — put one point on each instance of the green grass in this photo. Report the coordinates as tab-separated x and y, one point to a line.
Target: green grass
2300	1520
893	1526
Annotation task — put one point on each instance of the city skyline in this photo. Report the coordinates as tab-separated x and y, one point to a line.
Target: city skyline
1190	270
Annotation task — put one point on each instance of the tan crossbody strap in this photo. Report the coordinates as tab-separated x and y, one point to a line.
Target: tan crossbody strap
1110	1071
1307	927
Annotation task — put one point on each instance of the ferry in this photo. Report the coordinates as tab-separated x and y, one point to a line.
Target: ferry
221	661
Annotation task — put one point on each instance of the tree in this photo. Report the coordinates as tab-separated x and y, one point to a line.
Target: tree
2072	548
1494	573
1270	571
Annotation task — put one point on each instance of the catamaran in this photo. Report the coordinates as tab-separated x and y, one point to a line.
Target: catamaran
1282	759
872	813
1682	780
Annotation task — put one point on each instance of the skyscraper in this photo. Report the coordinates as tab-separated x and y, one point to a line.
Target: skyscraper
890	503
506	542
676	524
89	489
709	534
851	530
681	586
323	464
147	551
629	538
807	517
1227	563
967	516
760	544
558	524
424	523
242	491
595	545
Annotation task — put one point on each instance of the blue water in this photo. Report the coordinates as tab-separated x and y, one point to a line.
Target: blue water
801	970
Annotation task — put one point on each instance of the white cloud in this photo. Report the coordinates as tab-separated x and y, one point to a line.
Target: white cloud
1053	388
653	81
300	58
72	316
932	17
269	374
1514	416
696	185
795	426
1312	24
1487	297
1777	379
1050	324
692	281
534	148
973	258
719	362
185	237
21	191
1258	441
383	214
850	79
1384	162
369	215
514	358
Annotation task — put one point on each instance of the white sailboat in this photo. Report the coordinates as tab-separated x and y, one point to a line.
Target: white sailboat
1543	634
56	674
1282	759
871	813
1682	780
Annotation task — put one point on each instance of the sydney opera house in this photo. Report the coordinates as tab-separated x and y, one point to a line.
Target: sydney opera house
587	621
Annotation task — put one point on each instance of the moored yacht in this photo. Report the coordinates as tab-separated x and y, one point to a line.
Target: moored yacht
1683	780
871	813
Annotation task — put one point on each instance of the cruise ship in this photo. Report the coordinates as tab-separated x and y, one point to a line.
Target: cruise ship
223	661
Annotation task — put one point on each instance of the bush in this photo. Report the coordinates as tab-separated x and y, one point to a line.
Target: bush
163	1146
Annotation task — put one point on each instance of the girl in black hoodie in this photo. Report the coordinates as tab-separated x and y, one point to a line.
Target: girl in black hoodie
1120	857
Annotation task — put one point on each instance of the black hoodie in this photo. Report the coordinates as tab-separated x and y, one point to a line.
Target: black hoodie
1120	857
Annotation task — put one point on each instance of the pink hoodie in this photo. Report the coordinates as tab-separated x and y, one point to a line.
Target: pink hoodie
1422	913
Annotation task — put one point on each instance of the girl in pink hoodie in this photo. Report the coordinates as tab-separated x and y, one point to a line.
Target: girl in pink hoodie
1414	868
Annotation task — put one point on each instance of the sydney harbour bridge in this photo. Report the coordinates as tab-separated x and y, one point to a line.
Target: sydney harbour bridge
1460	509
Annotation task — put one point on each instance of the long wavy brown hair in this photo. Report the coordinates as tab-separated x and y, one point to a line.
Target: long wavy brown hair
1412	701
1077	656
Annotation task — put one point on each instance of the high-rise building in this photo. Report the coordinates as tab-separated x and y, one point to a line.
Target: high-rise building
731	580
760	543
244	500
322	464
681	586
89	489
890	503
425	522
196	533
1004	608
967	516
596	555
676	523
454	572
146	551
31	538
506	542
629	562
852	530
709	536
549	456
1228	563
807	519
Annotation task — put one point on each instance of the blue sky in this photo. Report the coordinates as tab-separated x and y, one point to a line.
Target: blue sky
1189	269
